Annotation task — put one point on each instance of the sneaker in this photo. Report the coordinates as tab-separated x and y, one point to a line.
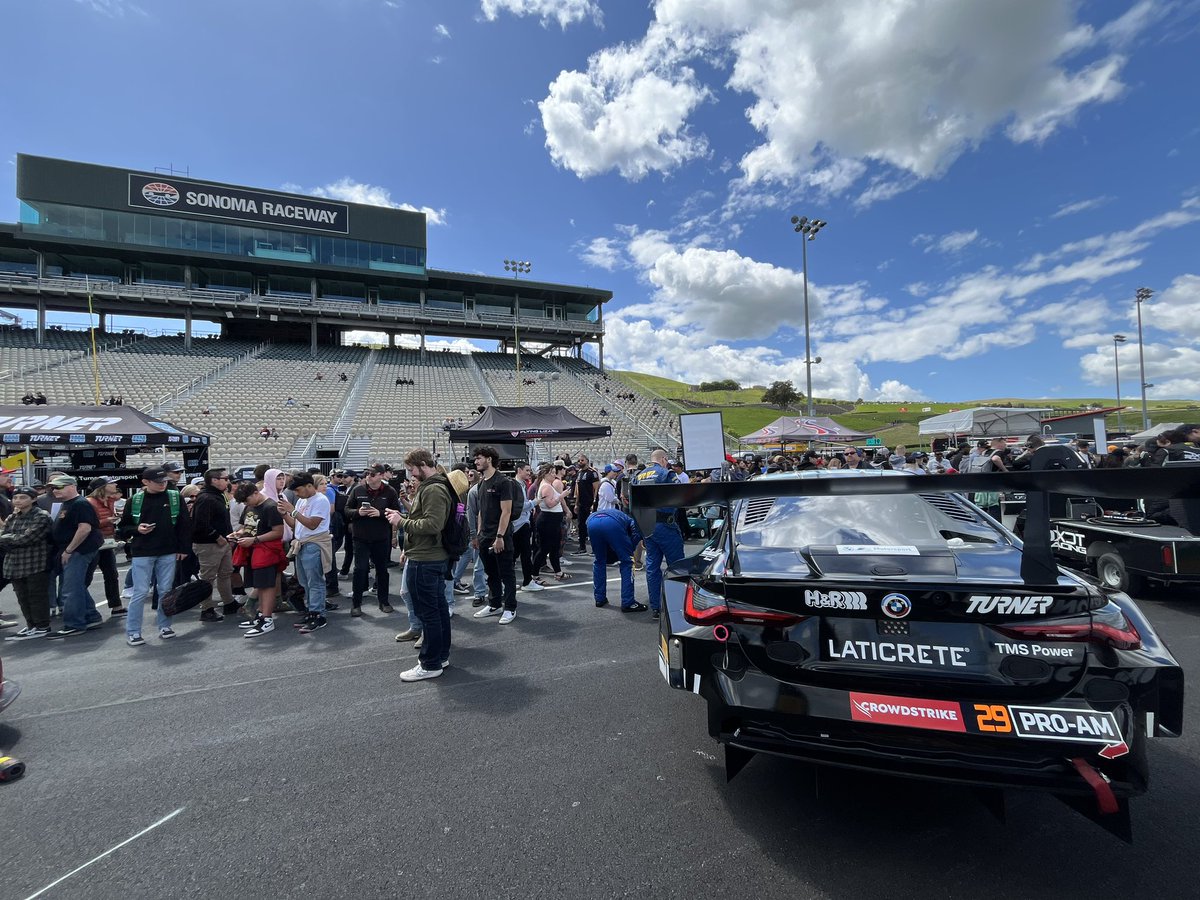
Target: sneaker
408	635
9	623
67	632
211	615
264	625
249	623
478	601
635	607
460	588
565	563
330	607
303	621
419	642
127	594
655	613
386	608
232	608
92	626
507	616
28	634
165	634
356	612
313	624
134	640
118	611
419	673
535	586
581	553
55	612
602	604
489	611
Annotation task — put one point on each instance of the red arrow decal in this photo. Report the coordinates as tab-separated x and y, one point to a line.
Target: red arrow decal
1112	751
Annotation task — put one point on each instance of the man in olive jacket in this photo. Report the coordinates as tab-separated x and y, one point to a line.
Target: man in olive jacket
428	561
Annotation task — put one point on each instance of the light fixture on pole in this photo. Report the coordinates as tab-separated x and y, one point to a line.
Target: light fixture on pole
807	228
1141	296
1118	340
548	378
518	268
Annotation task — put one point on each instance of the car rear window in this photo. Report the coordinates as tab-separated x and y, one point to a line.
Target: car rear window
902	519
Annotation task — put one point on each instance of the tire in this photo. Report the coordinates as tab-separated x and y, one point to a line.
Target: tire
1111	572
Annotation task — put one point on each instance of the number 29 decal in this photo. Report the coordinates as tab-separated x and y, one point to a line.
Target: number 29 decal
993	718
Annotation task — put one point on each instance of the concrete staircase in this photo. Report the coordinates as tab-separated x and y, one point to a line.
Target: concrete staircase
308	450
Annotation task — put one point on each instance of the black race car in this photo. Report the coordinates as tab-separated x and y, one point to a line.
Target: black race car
880	621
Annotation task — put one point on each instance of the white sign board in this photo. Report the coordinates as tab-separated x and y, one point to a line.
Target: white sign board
1101	435
703	440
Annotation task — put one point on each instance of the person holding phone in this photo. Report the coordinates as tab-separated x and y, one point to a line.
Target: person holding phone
158	528
374	536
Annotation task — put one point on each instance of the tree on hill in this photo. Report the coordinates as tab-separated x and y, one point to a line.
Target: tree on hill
782	394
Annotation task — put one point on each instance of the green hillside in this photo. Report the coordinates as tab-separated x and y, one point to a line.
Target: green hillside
744	412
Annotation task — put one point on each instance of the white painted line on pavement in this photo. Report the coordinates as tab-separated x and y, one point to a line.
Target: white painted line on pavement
161	821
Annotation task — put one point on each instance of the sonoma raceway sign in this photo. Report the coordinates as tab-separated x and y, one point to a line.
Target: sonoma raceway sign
197	198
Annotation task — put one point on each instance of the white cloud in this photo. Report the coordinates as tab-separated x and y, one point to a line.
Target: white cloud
115	9
603	253
564	12
1070	209
625	113
371	194
441	30
838	90
957	241
1176	310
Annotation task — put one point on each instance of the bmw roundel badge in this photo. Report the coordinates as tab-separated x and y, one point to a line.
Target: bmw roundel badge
896	606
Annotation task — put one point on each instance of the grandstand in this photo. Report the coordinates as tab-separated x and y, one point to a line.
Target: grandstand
232	389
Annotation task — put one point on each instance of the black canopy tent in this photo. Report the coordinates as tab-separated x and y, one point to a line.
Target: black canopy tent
521	424
97	438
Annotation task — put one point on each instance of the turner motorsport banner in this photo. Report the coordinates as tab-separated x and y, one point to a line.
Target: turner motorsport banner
196	198
77	427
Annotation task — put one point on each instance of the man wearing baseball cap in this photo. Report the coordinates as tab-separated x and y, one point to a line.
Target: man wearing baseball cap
76	538
156	524
24	538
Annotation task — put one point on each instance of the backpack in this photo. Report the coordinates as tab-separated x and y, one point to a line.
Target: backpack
974	465
172	501
454	532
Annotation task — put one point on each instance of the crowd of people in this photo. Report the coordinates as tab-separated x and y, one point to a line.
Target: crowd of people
461	533
241	538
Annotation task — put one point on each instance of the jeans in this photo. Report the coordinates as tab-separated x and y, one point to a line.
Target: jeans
106	562
478	574
414	624
501	576
366	554
79	609
665	542
426	587
609	536
312	577
149	572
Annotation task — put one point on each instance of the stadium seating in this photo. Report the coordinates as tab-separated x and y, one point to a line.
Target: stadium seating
245	389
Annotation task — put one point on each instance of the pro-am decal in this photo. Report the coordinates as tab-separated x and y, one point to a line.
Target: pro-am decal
1049	723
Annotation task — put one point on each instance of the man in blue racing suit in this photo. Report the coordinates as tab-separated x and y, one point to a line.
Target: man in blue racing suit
665	542
614	532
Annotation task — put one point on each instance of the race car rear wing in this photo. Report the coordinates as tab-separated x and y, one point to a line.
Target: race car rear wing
1053	472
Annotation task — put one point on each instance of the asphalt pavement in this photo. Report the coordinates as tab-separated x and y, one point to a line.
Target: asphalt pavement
551	760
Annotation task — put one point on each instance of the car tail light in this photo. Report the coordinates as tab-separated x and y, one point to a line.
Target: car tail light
1168	553
1121	635
702	608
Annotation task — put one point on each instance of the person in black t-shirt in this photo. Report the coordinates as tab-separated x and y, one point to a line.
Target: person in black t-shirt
499	496
76	538
587	480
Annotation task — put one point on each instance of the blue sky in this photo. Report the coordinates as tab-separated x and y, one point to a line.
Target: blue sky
998	178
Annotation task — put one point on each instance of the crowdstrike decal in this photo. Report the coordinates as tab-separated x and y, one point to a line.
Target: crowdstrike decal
932	715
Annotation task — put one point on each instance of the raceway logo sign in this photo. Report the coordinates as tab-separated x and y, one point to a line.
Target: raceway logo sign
160	193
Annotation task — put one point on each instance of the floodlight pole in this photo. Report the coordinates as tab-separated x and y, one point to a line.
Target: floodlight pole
807	229
517	267
1141	296
1118	340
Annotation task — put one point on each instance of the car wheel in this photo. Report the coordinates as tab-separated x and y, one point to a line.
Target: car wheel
1111	572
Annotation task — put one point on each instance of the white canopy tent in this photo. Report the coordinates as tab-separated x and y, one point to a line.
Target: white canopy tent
1154	431
985	421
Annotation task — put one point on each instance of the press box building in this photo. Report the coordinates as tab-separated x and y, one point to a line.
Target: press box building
265	264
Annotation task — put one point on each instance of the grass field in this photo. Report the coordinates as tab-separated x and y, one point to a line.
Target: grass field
743	411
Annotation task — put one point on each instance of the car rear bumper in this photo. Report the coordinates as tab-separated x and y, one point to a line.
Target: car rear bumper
9	691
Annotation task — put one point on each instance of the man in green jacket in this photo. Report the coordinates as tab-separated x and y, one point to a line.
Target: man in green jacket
427	561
